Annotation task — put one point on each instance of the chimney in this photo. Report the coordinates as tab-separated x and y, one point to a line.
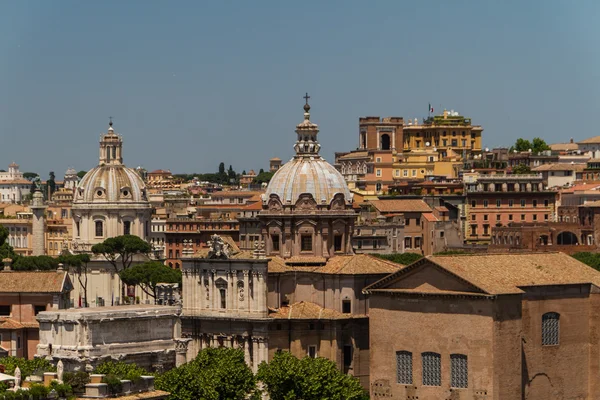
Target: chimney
445	114
7	262
571	141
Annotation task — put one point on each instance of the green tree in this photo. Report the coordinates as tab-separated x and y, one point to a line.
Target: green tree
121	370
215	374
150	274
78	263
400	258
522	145
27	367
263	177
120	250
6	250
81	174
35	263
287	377
539	145
29	175
521	169
591	259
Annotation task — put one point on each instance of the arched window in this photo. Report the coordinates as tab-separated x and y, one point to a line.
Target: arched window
223	294
550	329
404	367
99	228
126	227
432	369
459	371
378	186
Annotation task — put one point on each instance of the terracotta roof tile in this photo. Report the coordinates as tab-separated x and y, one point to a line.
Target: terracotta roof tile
430	217
32	282
308	310
564	146
559	167
400	205
507	273
358	264
595	139
9	323
353	155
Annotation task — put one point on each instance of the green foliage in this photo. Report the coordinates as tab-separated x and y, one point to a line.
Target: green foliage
81	174
521	169
6	250
263	177
37	366
62	389
536	146
215	374
35	263
30	176
452	253
591	259
76	380
150	274
114	384
38	391
78	263
121	370
400	258
121	248
287	377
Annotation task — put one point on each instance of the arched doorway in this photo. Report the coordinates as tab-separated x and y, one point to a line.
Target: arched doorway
566	238
385	142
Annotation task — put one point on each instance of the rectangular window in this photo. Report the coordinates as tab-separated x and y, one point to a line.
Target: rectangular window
522	217
407	222
5	311
497	217
454	142
417	243
550	329
18	342
545	217
498	202
306	243
346	306
414	172
432	369
378	172
535	217
546	203
337	243
397	172
407	242
473	217
473	203
275	241
378	159
485	217
510	217
170	253
485	203
347	355
522	202
459	371
404	172
511	202
534	203
404	366
312	351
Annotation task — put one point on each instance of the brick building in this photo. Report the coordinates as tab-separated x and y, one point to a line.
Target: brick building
498	200
506	327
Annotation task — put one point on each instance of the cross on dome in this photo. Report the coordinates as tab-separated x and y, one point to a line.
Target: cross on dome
307	144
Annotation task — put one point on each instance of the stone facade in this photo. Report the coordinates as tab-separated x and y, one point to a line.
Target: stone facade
83	338
39	221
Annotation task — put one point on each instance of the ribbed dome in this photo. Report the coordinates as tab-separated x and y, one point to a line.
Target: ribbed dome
307	172
308	175
111	183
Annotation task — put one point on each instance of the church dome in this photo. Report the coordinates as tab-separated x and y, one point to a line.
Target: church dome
110	184
307	172
111	181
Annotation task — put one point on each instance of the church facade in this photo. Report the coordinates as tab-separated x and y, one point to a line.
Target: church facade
300	289
111	199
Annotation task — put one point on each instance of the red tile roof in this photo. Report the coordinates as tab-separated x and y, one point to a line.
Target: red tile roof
400	205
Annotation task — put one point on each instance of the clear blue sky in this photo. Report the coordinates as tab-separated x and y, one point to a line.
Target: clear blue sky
194	83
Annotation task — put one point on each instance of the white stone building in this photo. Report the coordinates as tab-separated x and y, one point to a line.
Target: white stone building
13	187
111	199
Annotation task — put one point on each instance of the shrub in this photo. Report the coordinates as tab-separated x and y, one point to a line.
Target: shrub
121	370
37	366
77	380
114	384
62	389
401	258
38	392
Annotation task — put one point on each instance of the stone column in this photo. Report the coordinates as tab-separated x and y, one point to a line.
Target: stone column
212	292
254	355
247	291
39	210
246	344
181	348
231	290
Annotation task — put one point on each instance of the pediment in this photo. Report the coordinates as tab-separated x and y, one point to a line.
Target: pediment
429	278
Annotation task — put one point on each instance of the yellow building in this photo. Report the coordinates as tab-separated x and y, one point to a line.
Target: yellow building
449	131
419	163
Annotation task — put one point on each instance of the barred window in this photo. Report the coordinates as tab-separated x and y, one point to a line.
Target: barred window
550	329
404	367
432	369
459	371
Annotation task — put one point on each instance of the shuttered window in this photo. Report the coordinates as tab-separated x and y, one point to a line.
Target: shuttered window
404	367
432	369
459	371
550	329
